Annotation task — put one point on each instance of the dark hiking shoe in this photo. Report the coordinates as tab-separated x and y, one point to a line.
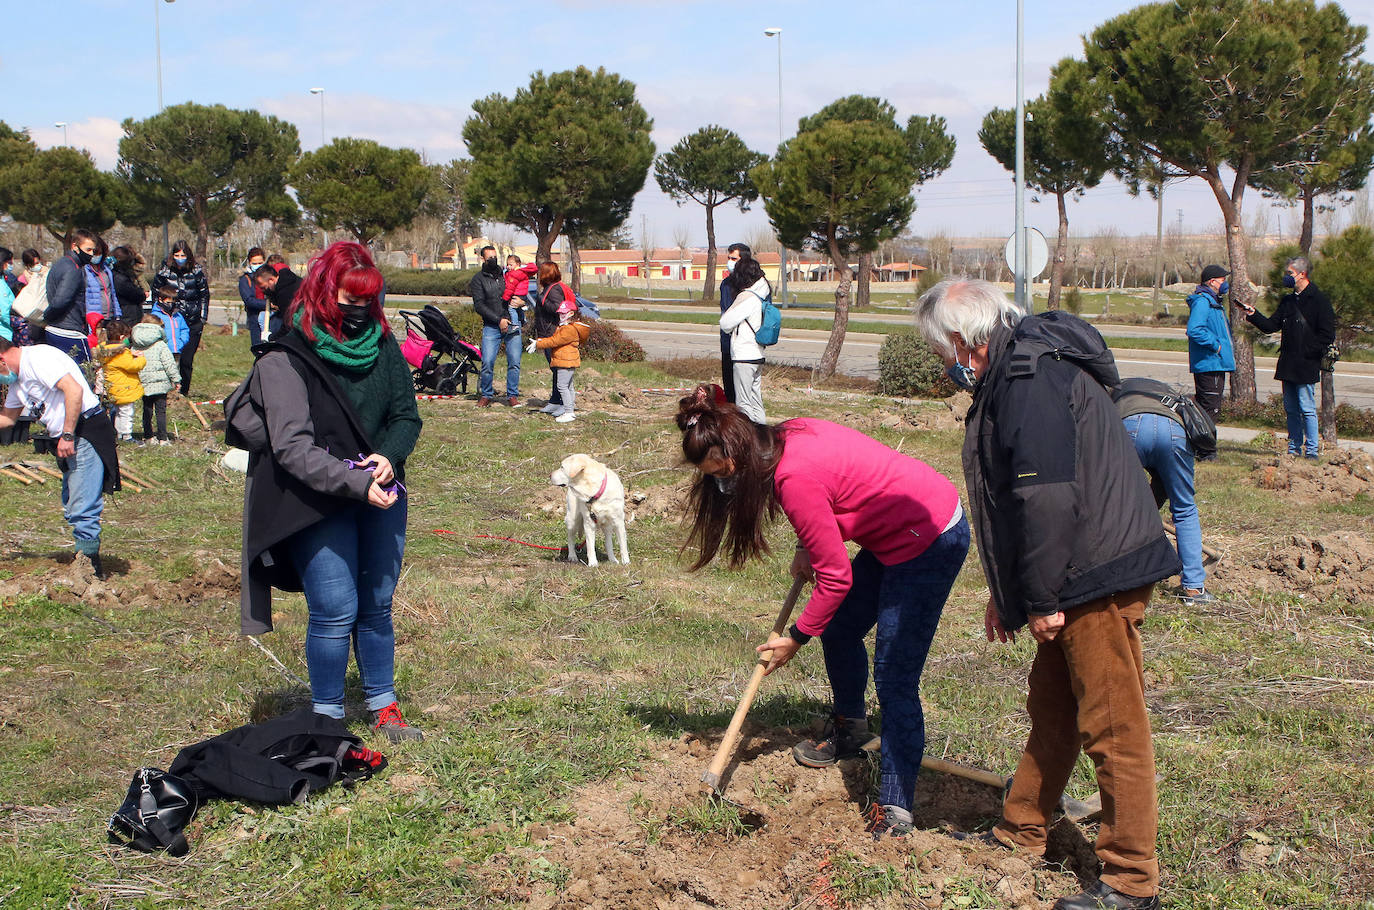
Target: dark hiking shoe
393	726
1197	597
842	738
513	401
484	402
1102	896
888	821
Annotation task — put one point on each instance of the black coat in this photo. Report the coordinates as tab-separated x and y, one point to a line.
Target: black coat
546	310
1062	511
193	292
486	291
131	295
1308	324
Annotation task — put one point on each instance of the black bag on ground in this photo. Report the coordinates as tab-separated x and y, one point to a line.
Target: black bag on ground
154	813
1196	423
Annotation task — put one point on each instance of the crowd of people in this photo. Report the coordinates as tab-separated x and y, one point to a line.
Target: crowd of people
1059	459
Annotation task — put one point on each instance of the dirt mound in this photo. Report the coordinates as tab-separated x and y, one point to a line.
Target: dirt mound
659	502
1333	564
65	580
1341	474
789	836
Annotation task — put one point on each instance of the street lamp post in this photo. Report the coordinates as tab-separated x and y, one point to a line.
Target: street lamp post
775	32
320	92
1022	258
157	38
63	124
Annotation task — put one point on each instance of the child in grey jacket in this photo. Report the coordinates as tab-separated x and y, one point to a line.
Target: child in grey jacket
159	376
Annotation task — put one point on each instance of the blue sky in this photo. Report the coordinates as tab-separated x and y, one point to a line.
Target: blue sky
406	73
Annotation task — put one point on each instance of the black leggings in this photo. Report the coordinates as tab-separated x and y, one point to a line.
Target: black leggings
160	403
188	356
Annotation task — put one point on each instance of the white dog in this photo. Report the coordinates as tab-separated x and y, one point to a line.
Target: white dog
595	497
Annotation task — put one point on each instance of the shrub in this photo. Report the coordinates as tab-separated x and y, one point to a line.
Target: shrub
1073	301
907	367
1265	413
428	282
609	344
1353	421
927	280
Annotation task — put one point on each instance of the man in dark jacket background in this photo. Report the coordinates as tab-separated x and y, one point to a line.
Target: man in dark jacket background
279	285
1072	544
1308	324
486	288
65	317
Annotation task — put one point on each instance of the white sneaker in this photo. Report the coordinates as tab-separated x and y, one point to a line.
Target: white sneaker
565	417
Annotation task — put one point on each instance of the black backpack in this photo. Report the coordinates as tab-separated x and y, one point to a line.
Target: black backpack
1196	423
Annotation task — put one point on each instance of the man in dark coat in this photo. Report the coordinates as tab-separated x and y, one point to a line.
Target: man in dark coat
1308	324
1071	543
279	286
486	289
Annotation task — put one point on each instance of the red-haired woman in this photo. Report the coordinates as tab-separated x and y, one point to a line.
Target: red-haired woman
552	295
325	509
835	485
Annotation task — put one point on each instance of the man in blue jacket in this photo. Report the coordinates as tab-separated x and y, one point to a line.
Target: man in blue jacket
66	313
1210	356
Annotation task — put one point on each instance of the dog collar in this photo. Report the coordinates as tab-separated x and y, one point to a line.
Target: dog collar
599	491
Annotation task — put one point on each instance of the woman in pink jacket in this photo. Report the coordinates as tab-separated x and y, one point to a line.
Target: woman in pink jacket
835	485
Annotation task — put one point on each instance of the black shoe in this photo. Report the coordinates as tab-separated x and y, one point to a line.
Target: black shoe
842	738
97	567
889	821
1102	896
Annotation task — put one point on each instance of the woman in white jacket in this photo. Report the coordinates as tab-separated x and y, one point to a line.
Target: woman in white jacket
740	322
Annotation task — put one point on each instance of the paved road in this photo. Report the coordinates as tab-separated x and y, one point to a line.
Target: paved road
1354	381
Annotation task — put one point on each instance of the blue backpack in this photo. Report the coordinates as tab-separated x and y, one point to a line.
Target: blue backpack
770	327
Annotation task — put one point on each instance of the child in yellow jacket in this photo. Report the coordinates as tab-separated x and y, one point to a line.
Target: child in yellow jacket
120	367
566	358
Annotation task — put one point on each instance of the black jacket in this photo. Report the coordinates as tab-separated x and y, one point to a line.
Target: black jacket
486	291
546	310
281	296
280	500
193	292
130	294
66	296
1062	511
1308	324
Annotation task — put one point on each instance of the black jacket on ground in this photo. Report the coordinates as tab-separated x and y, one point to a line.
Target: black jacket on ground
1062	512
193	292
486	291
66	296
279	761
131	295
1304	340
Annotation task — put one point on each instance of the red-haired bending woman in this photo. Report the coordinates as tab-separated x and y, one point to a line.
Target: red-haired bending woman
325	509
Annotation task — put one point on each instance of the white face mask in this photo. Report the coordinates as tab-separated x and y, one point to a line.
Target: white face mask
730	264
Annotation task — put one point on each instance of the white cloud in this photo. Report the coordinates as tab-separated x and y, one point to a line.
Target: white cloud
98	135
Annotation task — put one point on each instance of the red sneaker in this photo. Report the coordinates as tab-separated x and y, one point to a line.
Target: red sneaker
393	726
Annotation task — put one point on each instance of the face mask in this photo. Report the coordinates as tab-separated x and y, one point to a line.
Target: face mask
83	257
179	261
250	268
963	376
355	318
8	378
1290	280
1224	289
491	267
730	264
726	485
110	261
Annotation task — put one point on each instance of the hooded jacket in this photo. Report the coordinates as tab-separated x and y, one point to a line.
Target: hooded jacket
122	371
742	320
518	281
66	296
565	343
130	293
193	291
100	292
160	373
1308	324
1209	336
174	330
1062	512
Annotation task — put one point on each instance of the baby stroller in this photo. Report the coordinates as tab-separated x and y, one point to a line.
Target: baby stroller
440	359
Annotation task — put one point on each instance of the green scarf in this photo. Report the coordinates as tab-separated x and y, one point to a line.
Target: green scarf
357	355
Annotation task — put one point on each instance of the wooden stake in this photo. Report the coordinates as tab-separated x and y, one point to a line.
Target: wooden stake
17	476
27	472
137	478
51	472
205	424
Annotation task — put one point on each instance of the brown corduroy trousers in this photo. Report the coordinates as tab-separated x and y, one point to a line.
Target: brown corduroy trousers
1087	691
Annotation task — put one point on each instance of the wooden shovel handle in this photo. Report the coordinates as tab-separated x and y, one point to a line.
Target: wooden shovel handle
205	424
1206	550
45	469
28	472
136	478
17	476
726	750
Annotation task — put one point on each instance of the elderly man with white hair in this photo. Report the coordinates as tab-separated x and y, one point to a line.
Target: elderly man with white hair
1071	544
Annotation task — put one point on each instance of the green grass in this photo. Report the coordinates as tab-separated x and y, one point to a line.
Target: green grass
532	678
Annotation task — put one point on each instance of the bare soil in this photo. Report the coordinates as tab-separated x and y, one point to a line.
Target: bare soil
62	579
637	842
1342	474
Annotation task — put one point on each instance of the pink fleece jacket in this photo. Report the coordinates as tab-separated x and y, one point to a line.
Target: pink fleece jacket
836	484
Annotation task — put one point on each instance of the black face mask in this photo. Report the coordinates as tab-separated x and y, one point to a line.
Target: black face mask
491	267
83	257
355	318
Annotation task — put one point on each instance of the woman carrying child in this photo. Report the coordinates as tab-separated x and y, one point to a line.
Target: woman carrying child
564	356
158	376
122	368
836	485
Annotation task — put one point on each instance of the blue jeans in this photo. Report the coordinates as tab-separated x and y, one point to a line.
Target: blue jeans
83	496
1162	446
492	342
905	602
255	327
1300	404
348	564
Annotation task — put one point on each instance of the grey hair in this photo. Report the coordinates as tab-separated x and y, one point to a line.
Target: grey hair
1300	264
970	307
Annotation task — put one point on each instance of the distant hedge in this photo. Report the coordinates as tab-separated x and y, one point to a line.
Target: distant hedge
907	367
428	282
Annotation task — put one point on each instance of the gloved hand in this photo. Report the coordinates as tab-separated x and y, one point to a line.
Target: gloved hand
531	347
